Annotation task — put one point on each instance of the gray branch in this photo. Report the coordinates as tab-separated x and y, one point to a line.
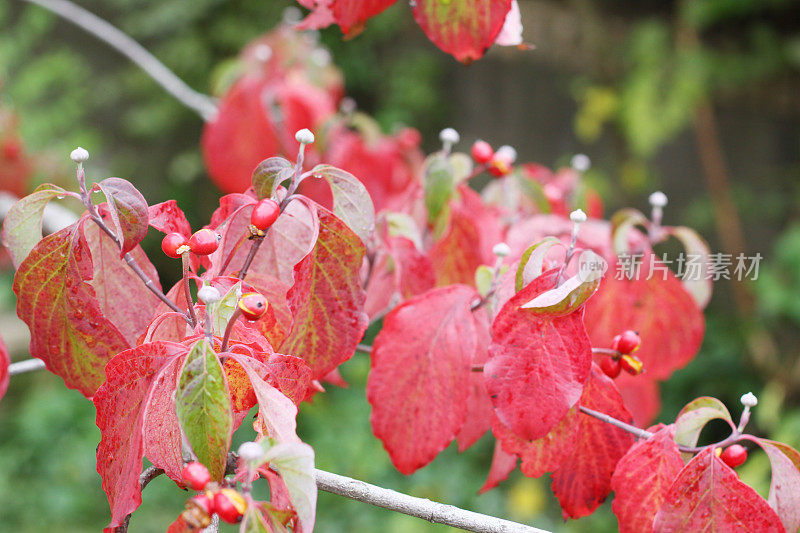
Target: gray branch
202	104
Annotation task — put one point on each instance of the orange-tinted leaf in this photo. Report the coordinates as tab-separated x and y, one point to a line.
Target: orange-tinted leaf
327	300
642	479
58	303
707	495
419	382
462	28
583	481
537	364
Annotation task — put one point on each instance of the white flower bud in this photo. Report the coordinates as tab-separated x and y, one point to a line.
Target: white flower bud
347	105
79	155
506	153
577	216
581	162
292	15
658	199
263	53
208	295
304	136
251	452
449	136
501	249
749	400
321	57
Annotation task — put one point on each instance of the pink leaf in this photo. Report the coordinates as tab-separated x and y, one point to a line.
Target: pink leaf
128	210
502	465
784	490
167	217
5	361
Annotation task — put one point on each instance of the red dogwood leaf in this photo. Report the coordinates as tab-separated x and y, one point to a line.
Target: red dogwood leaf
479	406
455	256
326	299
642	397
121	404
665	315
5	362
162	430
537	364
419	384
707	495
58	303
167	217
642	479
351	15
400	271
502	465
583	481
784	490
128	210
462	28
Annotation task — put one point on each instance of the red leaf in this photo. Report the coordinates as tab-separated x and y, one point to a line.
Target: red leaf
128	210
784	490
642	397
162	431
665	315
537	364
707	495
455	256
479	406
642	479
121	402
400	270
56	300
502	465
419	383
326	299
351	15
462	28
5	361
583	481
167	217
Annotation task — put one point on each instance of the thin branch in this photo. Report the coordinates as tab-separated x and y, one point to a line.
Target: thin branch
21	367
419	507
202	104
365	348
641	433
251	255
145	478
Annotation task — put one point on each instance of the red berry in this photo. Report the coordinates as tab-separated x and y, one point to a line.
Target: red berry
482	152
196	475
409	139
500	166
199	510
229	505
204	241
253	305
734	456
628	342
265	213
610	366
172	243
12	149
631	364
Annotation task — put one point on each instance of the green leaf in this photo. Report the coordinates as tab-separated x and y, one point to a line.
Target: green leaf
203	407
351	201
622	223
22	227
269	174
694	417
439	185
483	280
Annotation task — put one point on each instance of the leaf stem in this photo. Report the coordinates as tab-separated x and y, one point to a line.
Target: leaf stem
251	255
229	329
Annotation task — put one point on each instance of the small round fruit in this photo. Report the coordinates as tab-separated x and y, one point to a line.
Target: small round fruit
199	510
610	366
631	364
265	213
500	166
204	241
196	475
172	244
628	342
253	305
229	505
734	455
482	152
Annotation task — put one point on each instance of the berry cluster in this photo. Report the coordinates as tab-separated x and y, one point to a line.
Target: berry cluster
226	503
499	163
202	242
623	346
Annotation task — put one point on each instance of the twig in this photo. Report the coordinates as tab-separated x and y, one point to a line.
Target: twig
251	255
641	433
202	104
187	289
145	478
421	508
365	348
21	367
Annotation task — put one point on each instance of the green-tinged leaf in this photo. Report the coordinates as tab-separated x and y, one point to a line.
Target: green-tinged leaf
128	211
698	283
269	174
263	517
403	225
462	167
351	201
565	298
58	303
204	409
694	417
531	264
623	222
22	226
222	311
294	461
439	185
483	280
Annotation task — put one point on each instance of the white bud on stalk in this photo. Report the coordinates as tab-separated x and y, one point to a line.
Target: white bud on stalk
506	153
304	136
578	216
501	249
208	295
749	400
251	452
79	155
263	53
581	162
658	199
449	137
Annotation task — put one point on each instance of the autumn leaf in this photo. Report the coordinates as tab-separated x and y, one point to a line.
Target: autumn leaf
327	300
56	300
419	383
784	489
583	481
537	364
121	404
269	174
707	495
203	408
455	256
643	477
351	201
503	464
128	211
162	429
294	461
167	217
479	407
5	362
